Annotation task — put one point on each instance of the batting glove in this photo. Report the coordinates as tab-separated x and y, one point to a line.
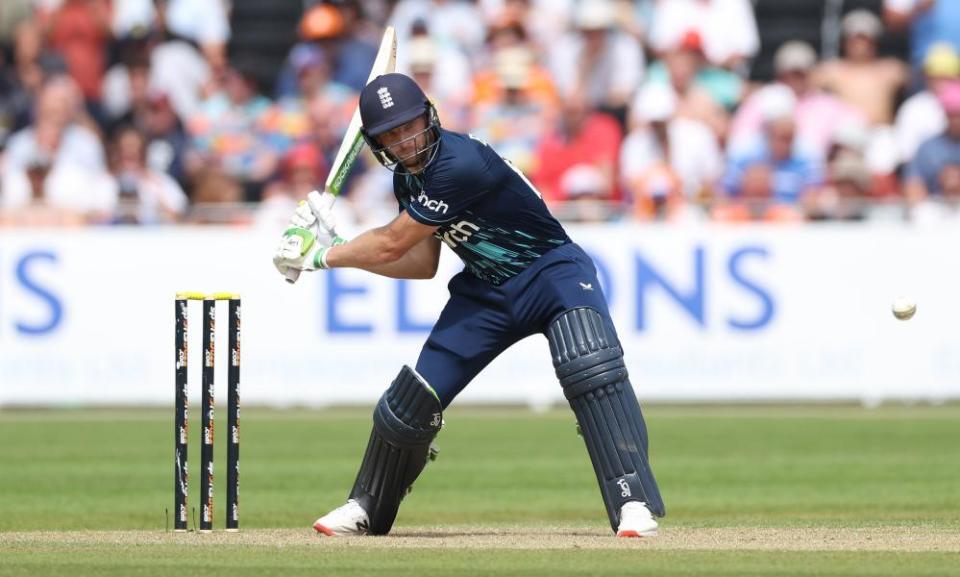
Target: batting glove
299	249
316	211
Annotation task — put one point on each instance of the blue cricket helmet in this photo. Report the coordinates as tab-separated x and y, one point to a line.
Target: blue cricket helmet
389	101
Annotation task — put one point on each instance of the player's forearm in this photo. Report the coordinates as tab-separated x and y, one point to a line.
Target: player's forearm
409	266
374	247
420	262
379	252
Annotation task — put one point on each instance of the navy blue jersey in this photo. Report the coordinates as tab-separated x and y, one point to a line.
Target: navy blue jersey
487	211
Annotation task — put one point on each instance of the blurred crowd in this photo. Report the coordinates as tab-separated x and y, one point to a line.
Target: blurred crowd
144	111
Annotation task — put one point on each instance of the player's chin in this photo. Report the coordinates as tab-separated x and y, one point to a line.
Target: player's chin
414	167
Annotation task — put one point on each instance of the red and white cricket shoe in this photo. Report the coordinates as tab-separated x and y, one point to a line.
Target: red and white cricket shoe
636	521
348	519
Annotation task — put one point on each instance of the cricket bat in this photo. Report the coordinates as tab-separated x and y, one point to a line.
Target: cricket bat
386	61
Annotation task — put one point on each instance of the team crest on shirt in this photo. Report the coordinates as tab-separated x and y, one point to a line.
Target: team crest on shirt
386	99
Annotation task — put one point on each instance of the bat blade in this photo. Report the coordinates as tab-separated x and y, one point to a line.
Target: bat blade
385	62
352	144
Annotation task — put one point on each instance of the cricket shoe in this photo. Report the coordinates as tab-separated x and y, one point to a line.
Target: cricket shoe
636	521
349	519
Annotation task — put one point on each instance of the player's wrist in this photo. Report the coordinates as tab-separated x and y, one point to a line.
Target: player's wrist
320	257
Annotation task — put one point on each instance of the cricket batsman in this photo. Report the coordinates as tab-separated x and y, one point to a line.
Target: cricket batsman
523	275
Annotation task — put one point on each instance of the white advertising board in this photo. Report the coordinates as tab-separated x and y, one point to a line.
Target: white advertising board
704	314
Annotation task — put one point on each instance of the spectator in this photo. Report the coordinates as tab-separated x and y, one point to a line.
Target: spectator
302	170
921	117
32	65
728	29
304	58
126	85
580	137
217	199
80	31
53	171
933	169
818	115
444	76
312	73
585	189
845	194
861	78
451	68
327	117
133	18
706	93
145	196
226	132
509	51
365	19
518	104
350	55
42	194
204	22
947	205
287	121
871	85
12	14
178	69
452	23
667	160
854	143
167	141
56	136
544	20
598	62
777	168
317	112
929	22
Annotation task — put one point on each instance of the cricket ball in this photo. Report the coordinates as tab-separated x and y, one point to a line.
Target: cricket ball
904	308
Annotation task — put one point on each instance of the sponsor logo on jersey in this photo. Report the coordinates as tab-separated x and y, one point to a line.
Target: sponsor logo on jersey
434	205
459	233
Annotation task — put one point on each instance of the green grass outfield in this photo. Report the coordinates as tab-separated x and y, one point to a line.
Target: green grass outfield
749	491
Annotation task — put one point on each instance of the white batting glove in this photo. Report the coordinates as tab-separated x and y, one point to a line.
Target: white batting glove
316	211
293	249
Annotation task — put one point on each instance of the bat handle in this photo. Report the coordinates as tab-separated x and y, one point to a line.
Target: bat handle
292	275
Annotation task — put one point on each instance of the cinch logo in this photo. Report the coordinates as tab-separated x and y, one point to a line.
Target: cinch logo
458	233
386	100
434	205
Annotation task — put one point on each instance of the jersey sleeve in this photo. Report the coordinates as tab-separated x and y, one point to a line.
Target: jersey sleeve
460	179
401	191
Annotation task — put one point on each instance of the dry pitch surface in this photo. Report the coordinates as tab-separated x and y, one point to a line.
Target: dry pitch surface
905	539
